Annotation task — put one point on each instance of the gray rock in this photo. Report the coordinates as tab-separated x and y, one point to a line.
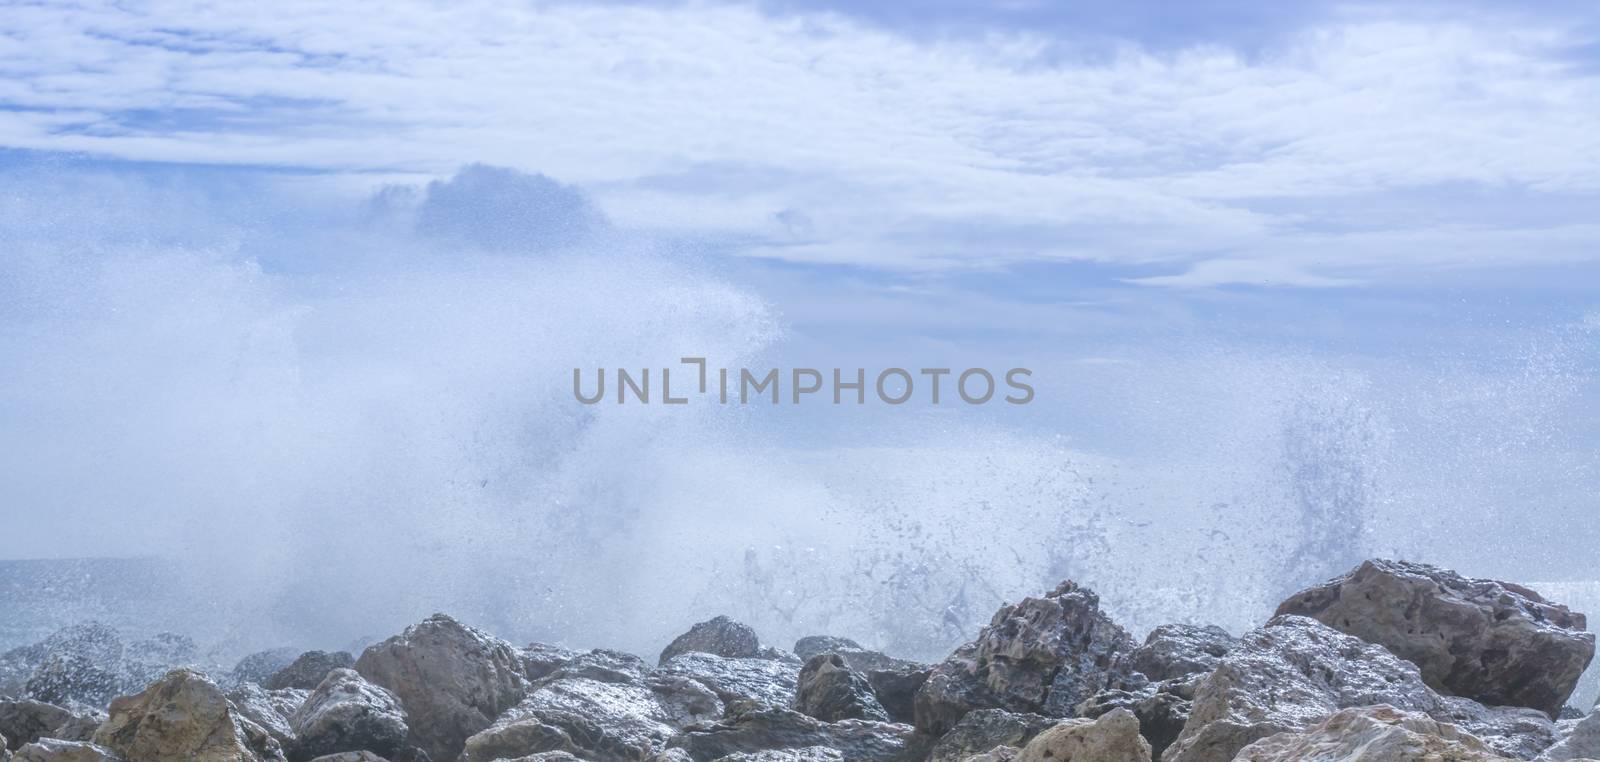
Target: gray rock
67	677
768	729
763	681
1494	642
23	721
1174	651
57	750
831	691
719	636
269	709
184	716
1513	731
540	659
604	665
1371	734
1112	737
259	666
1043	655
811	645
307	671
350	756
602	721
1162	710
347	713
808	754
1578	740
997	754
452	679
896	690
981	730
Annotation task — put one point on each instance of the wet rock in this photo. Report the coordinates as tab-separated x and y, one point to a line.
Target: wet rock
308	670
57	750
1495	642
347	713
764	681
772	729
540	659
896	690
1512	731
579	715
351	756
1162	710
23	721
719	636
81	726
1179	650
67	677
997	754
604	665
811	645
830	691
452	679
808	754
184	716
1042	655
269	709
981	730
1286	675
1578	740
1371	734
259	666
1114	737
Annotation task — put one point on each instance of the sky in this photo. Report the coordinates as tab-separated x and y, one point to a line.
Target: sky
271	266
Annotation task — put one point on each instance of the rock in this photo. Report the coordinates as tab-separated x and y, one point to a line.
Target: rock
1286	675
347	713
23	721
81	726
57	750
452	679
808	754
981	730
184	716
1162	710
1580	740
1179	650
997	754
764	681
259	666
1113	737
351	756
308	670
830	691
269	709
1512	731
896	690
1043	655
1495	642
720	636
811	645
67	677
604	665
773	729
539	659
1371	734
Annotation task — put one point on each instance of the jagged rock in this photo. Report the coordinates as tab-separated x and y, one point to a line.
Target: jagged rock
81	726
67	677
773	729
997	754
308	670
896	690
778	654
600	720
1495	642
1042	655
269	709
1513	731
57	750
540	659
764	681
1114	737
1286	675
811	645
830	691
1579	740
808	754
347	713
23	721
719	636
452	679
1162	710
5	752
259	666
604	665
1178	650
350	756
981	730
184	716
1371	734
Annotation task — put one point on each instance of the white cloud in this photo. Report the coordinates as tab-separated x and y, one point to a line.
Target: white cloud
899	153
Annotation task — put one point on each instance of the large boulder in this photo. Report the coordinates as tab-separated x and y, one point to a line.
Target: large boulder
1494	642
347	713
896	689
1372	734
830	691
1113	737
604	721
308	670
269	709
1162	709
23	721
764	681
769	729
184	716
1579	740
540	659
1174	651
982	730
452	679
1043	655
57	750
719	636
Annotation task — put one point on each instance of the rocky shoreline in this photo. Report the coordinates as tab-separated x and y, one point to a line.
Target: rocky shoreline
1394	661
